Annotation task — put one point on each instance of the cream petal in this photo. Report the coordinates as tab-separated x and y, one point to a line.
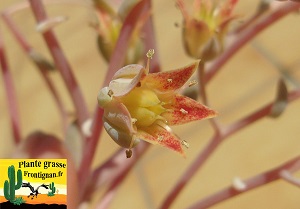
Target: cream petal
121	137
126	79
184	109
118	116
103	97
128	71
169	80
160	133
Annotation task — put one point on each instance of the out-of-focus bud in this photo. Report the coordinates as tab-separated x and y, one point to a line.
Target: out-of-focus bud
205	29
110	19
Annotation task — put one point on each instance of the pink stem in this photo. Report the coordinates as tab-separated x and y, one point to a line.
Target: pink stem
214	144
116	62
259	114
203	94
28	49
252	183
121	175
246	35
61	63
150	43
192	169
287	176
10	93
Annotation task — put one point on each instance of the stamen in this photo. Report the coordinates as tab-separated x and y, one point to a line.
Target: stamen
183	111
133	120
160	138
128	153
110	93
149	55
170	80
192	83
184	143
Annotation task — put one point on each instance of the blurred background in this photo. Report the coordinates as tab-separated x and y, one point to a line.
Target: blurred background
248	81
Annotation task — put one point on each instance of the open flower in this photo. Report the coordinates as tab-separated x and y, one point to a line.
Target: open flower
139	105
204	30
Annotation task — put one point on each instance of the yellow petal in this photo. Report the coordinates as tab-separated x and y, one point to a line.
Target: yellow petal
144	116
141	97
157	109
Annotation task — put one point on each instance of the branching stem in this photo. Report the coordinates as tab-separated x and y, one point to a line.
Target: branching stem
251	183
61	63
10	93
44	72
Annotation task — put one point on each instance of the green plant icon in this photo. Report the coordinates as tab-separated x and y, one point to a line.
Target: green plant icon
10	186
19	201
53	189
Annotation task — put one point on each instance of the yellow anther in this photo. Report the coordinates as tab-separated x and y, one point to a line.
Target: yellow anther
170	80
150	53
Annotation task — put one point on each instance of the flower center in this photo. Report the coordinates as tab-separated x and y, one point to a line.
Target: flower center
143	105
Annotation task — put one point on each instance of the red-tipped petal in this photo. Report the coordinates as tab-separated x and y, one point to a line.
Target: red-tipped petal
184	109
170	80
161	134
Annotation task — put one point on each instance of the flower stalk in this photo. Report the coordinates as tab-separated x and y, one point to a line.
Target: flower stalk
141	103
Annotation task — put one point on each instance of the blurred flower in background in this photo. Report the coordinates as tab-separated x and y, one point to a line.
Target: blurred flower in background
204	30
110	17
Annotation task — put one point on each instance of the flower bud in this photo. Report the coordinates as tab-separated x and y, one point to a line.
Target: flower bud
204	30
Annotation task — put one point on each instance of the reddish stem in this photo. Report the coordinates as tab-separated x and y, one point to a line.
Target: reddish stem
118	178
150	43
116	62
10	93
61	63
28	49
287	176
247	34
259	114
251	183
215	142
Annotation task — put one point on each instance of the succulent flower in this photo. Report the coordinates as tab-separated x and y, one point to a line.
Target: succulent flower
110	21
204	30
139	105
